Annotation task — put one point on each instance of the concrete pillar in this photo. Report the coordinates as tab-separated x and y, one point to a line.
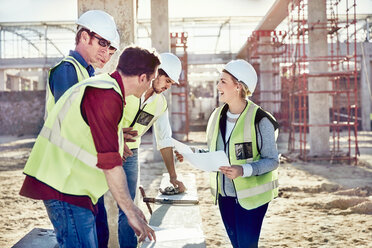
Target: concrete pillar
160	25
124	13
160	41
365	87
266	74
318	103
42	79
15	84
2	80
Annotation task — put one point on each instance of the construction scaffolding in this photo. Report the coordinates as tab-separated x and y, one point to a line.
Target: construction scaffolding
339	79
180	109
265	53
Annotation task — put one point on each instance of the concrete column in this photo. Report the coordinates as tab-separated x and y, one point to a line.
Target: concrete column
15	83
160	41
266	74
2	80
318	103
124	13
160	25
365	87
42	79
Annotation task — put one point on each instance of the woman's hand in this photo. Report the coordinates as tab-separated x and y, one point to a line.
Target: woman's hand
178	156
232	171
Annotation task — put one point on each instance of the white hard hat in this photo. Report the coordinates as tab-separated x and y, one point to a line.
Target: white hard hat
244	72
171	64
116	42
101	23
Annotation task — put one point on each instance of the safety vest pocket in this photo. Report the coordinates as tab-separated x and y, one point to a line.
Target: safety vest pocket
243	150
144	118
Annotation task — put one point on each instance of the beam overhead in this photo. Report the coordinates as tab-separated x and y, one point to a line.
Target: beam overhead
277	13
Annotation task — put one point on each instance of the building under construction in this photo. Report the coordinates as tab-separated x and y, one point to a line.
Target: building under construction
313	59
308	55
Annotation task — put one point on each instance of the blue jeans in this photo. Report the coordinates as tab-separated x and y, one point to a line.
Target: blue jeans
127	237
243	226
74	226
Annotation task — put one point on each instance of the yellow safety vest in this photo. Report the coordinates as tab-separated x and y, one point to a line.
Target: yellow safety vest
253	191
81	73
64	155
142	119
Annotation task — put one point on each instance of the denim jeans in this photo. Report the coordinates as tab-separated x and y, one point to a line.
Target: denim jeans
243	226
74	226
127	237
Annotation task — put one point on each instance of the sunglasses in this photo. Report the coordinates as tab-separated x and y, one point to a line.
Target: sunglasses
102	42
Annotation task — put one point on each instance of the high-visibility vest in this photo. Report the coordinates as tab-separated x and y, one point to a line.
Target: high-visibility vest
64	156
81	73
141	119
253	191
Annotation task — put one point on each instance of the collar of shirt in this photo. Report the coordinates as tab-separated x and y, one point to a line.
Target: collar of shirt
116	75
149	100
82	61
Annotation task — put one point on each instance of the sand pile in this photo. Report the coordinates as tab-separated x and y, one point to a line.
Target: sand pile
320	205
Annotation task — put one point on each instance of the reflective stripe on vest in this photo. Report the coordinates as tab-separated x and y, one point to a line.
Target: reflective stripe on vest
64	155
133	111
258	190
254	191
54	136
81	73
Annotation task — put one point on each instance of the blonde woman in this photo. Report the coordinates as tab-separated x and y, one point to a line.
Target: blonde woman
247	135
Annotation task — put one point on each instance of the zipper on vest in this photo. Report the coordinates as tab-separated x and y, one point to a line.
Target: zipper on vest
137	114
235	191
228	151
215	202
223	184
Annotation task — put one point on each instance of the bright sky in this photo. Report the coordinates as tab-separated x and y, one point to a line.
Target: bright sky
53	10
66	10
37	10
56	10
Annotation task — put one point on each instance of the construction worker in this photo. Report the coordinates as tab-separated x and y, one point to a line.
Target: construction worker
97	36
77	156
247	135
141	114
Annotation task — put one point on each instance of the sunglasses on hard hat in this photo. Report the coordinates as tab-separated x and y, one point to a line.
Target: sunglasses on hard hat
102	42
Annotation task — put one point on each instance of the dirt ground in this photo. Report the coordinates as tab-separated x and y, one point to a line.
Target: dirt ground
320	204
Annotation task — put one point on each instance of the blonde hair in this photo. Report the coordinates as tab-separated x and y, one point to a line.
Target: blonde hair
244	93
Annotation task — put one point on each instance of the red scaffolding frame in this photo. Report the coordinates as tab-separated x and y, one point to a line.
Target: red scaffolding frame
270	43
342	75
180	93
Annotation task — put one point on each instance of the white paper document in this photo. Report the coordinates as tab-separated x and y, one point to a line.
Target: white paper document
181	147
209	161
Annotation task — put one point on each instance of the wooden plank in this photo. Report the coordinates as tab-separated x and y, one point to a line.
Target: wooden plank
177	225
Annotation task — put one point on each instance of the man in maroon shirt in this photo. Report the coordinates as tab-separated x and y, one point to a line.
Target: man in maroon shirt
102	110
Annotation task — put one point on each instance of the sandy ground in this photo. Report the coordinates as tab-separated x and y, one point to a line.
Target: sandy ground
320	204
